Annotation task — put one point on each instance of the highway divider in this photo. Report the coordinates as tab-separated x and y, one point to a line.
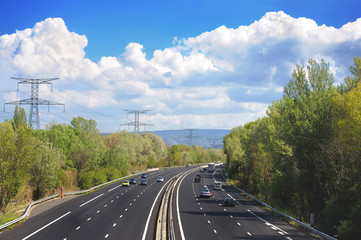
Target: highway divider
165	223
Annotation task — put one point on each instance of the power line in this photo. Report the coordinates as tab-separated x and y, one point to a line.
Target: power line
190	135
136	122
34	101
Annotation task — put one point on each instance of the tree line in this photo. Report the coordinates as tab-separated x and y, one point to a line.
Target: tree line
304	155
77	156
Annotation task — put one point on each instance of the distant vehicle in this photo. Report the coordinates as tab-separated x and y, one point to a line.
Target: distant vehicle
125	183
205	193
187	165
197	178
143	182
217	185
160	179
202	170
133	181
211	167
204	188
144	175
229	202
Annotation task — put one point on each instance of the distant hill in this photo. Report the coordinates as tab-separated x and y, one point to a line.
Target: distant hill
208	138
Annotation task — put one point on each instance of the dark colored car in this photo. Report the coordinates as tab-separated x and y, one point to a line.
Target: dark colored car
229	202
143	182
133	181
197	178
143	175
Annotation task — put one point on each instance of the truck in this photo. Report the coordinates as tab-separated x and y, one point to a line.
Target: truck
211	167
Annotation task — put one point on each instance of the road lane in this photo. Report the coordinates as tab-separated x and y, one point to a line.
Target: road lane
107	213
209	219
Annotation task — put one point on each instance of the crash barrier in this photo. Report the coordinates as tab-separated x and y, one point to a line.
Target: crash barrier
283	214
165	224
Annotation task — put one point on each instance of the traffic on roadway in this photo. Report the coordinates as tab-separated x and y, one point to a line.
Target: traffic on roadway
205	208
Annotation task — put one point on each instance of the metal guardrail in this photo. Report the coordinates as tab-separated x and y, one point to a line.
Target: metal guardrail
58	195
283	214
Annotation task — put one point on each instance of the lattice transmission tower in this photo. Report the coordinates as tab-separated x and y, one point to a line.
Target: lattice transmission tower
190	135
136	122
34	101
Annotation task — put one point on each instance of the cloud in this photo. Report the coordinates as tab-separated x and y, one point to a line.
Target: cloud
218	79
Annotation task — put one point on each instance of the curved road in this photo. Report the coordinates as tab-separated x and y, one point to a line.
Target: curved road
116	212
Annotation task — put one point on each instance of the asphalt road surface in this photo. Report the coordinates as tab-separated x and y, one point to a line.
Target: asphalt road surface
112	212
208	219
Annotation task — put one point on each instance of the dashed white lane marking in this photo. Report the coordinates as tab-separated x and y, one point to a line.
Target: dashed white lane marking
214	230
98	211
126	209
201	208
106	236
231	216
130	204
281	233
135	199
209	221
91	200
112	201
114	224
289	238
238	223
199	204
117	196
120	216
225	210
89	219
204	214
77	228
105	205
249	233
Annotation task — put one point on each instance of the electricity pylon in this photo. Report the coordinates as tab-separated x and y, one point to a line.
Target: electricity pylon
34	101
190	135
136	122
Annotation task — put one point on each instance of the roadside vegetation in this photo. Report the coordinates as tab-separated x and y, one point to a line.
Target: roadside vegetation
37	163
304	156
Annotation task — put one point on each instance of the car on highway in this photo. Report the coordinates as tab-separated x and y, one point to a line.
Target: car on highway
197	178
125	183
204	188
144	175
202	171
205	193
133	181
217	185
229	202
160	179
143	182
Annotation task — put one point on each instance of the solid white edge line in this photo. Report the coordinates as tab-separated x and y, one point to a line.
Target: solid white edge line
151	210
91	200
179	219
47	225
114	188
267	222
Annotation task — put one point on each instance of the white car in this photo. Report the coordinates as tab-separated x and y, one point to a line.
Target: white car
160	179
217	186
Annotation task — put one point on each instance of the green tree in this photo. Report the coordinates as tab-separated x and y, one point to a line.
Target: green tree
17	151
45	169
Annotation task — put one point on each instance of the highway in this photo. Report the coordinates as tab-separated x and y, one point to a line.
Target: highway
112	212
202	218
116	212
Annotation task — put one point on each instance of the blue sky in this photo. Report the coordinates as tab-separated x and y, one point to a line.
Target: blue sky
195	64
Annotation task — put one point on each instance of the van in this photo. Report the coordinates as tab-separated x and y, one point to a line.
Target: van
217	185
